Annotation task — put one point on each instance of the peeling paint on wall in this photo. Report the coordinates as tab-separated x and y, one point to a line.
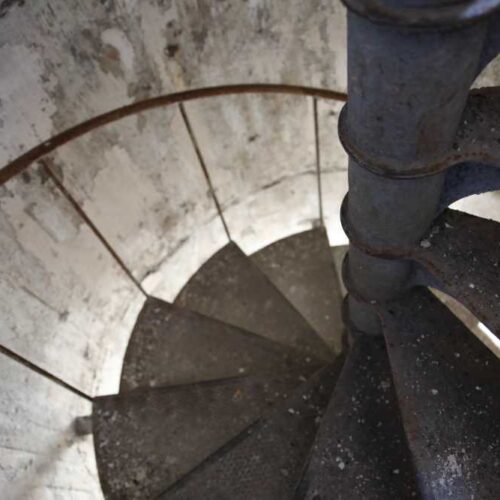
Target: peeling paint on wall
90	57
60	291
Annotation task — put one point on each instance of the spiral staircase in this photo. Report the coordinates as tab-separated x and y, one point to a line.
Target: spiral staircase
234	391
239	390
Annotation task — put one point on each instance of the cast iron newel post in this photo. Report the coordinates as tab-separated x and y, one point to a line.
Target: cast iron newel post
411	64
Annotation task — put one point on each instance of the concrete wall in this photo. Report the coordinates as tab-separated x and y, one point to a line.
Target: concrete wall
65	303
40	457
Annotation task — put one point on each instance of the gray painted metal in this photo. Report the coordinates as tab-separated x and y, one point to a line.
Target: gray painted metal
145	440
423	14
360	450
266	460
302	269
448	386
492	42
404	111
171	345
462	253
231	288
467	179
477	139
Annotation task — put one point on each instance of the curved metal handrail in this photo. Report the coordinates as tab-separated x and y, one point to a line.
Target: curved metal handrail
22	162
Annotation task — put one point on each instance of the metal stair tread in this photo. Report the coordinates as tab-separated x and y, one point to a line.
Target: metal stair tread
147	439
360	449
172	345
265	460
448	386
463	252
302	269
231	288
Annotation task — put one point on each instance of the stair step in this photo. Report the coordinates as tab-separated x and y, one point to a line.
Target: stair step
360	450
264	461
302	269
448	386
463	252
171	345
231	288
145	440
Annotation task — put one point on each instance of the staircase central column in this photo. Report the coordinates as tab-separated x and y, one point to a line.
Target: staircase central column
410	68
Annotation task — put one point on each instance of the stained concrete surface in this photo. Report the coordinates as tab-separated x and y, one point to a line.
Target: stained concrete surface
40	457
61	292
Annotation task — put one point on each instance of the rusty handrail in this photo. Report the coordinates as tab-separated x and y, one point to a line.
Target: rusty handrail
22	162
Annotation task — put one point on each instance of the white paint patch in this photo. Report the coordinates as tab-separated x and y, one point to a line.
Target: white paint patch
119	40
25	102
153	36
54	220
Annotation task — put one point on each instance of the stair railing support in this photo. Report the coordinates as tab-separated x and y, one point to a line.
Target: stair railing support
410	68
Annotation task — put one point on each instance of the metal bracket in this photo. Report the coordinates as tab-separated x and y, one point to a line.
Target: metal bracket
423	17
477	140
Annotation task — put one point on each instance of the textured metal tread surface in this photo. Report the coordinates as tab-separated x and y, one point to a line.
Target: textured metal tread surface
448	386
360	450
171	345
265	461
302	269
463	253
147	439
231	288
